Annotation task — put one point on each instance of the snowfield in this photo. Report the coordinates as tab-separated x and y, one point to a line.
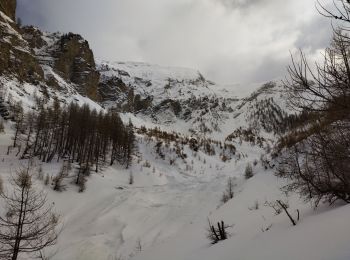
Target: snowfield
164	214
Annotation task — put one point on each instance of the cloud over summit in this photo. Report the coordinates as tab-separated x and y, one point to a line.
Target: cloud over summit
228	40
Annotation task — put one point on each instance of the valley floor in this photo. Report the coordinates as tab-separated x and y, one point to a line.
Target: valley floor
164	213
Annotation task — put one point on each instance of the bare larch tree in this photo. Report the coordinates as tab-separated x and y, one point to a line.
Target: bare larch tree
28	224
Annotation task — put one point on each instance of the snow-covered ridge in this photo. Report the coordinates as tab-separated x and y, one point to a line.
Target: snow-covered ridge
152	71
182	100
158	82
173	98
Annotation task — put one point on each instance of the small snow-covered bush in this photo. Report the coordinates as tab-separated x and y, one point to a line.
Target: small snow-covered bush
147	164
248	173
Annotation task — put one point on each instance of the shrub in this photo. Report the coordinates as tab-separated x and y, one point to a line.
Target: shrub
47	180
1	185
228	193
318	167
131	178
217	234
2	128
248	173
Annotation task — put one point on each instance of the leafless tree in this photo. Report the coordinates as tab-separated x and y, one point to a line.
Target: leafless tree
228	193
319	167
324	87
318	162
19	120
218	234
57	181
131	178
280	206
340	12
28	225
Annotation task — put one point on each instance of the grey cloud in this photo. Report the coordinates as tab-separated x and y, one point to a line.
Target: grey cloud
315	35
228	46
271	69
239	4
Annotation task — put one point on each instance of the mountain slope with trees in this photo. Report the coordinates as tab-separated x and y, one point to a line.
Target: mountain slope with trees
125	160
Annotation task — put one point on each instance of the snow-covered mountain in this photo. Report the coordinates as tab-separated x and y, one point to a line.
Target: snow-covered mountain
174	97
182	100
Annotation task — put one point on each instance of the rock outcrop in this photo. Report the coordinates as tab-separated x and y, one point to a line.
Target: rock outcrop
74	61
8	7
17	59
32	56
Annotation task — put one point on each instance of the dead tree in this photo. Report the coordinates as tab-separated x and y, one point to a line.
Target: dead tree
341	12
19	120
285	208
279	205
228	193
317	163
58	179
29	224
217	234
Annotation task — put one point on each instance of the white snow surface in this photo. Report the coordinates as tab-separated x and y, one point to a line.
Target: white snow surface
163	82
167	208
164	214
215	110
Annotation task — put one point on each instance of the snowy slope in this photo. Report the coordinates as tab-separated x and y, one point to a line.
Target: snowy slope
14	91
164	213
157	81
321	234
182	100
178	98
111	217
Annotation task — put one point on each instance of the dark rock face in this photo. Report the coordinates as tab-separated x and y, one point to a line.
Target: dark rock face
8	7
16	57
25	51
33	36
174	105
142	104
111	88
70	56
74	61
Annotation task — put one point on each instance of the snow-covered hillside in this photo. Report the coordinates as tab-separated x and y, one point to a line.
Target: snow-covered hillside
192	136
159	82
164	213
182	100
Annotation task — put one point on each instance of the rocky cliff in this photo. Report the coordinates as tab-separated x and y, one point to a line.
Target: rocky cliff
46	59
74	61
17	59
8	7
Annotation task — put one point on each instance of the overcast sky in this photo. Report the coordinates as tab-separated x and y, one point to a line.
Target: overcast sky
230	41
